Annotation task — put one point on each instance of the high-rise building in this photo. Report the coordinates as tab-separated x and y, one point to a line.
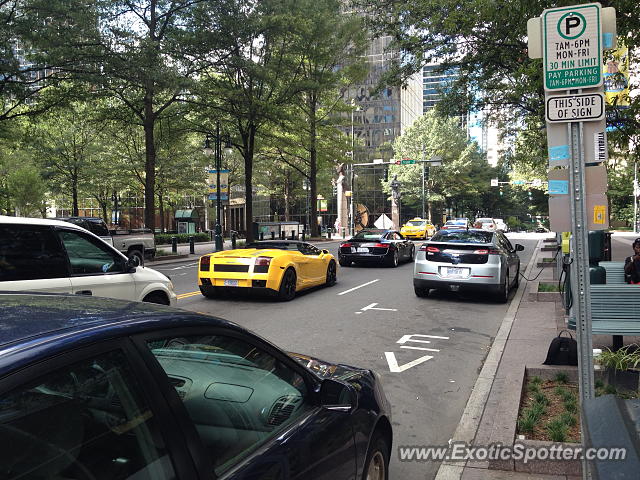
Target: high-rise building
381	117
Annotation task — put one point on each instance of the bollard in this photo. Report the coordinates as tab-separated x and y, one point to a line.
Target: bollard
293	234
273	235
303	239
282	235
211	234
261	235
174	245
329	233
233	240
192	245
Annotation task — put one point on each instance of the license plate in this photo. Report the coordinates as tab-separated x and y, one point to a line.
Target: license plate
456	272
362	250
230	283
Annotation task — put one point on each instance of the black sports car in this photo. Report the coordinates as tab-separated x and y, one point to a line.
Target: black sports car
95	388
387	247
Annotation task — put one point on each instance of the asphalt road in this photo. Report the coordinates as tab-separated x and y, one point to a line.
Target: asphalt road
368	327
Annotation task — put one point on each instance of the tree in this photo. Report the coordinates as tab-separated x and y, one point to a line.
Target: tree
464	173
258	79
333	58
143	55
27	190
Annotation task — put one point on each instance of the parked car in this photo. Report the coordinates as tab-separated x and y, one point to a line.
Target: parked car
457	224
53	256
467	260
488	224
500	225
139	243
106	389
281	267
418	228
386	247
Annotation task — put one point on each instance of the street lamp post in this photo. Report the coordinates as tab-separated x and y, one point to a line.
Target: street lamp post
217	151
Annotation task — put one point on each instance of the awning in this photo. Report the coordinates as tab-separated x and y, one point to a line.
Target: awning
191	214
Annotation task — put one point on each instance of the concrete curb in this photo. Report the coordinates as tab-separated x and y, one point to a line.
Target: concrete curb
472	415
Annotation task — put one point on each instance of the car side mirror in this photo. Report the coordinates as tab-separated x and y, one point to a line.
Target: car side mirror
132	263
325	251
519	247
338	396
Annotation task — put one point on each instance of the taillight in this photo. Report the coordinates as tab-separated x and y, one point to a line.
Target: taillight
345	245
263	261
205	263
381	245
424	248
493	251
485	251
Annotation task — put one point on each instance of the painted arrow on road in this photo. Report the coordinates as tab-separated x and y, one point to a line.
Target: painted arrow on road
395	368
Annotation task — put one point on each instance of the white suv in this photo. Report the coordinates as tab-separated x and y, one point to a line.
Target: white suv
59	257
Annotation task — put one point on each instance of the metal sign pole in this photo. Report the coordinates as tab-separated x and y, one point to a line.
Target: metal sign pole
580	265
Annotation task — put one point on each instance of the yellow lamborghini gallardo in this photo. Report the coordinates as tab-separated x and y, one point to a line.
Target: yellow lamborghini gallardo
282	267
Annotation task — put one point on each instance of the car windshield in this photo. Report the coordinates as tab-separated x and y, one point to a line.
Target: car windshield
456	222
368	234
416	223
465	236
273	245
485	220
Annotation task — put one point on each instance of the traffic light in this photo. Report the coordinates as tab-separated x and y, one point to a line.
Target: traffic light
386	174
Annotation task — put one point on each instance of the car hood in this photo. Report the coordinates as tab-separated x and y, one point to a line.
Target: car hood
326	369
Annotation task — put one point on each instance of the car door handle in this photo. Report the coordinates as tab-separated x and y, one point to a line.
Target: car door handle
84	292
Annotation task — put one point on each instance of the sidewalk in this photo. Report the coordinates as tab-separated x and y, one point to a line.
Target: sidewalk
521	345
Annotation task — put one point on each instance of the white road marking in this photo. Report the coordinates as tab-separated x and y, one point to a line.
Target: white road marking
395	368
408	338
372	306
360	286
181	267
421	348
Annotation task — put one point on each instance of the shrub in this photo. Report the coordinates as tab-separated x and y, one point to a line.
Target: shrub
571	406
568	419
165	238
541	398
599	383
557	430
562	377
536	380
527	421
561	392
623	359
533	388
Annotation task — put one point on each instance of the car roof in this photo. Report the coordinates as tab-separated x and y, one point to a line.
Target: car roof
37	326
485	219
46	222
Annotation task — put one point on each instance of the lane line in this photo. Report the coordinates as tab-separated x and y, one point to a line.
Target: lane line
186	295
360	286
420	348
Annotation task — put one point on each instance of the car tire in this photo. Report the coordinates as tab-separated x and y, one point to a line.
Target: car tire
209	292
331	274
516	282
421	292
287	290
156	297
136	254
412	253
344	263
394	260
503	291
376	466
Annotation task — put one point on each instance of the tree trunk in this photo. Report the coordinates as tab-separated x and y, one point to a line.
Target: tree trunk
248	139
313	165
150	165
287	194
74	196
161	209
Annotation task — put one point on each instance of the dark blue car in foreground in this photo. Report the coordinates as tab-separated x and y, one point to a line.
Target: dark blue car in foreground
94	388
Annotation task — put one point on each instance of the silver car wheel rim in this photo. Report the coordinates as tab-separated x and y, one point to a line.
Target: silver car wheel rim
395	258
376	467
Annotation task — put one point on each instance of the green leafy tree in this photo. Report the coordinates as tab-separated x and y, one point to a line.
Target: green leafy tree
27	190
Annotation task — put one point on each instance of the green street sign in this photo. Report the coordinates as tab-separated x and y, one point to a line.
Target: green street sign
572	53
407	162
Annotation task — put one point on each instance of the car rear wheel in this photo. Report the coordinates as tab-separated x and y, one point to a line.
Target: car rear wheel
331	274
344	263
412	253
209	292
393	261
376	466
288	286
503	292
421	292
516	282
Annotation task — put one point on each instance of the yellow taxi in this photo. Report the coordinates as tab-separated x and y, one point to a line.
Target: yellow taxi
281	267
418	228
